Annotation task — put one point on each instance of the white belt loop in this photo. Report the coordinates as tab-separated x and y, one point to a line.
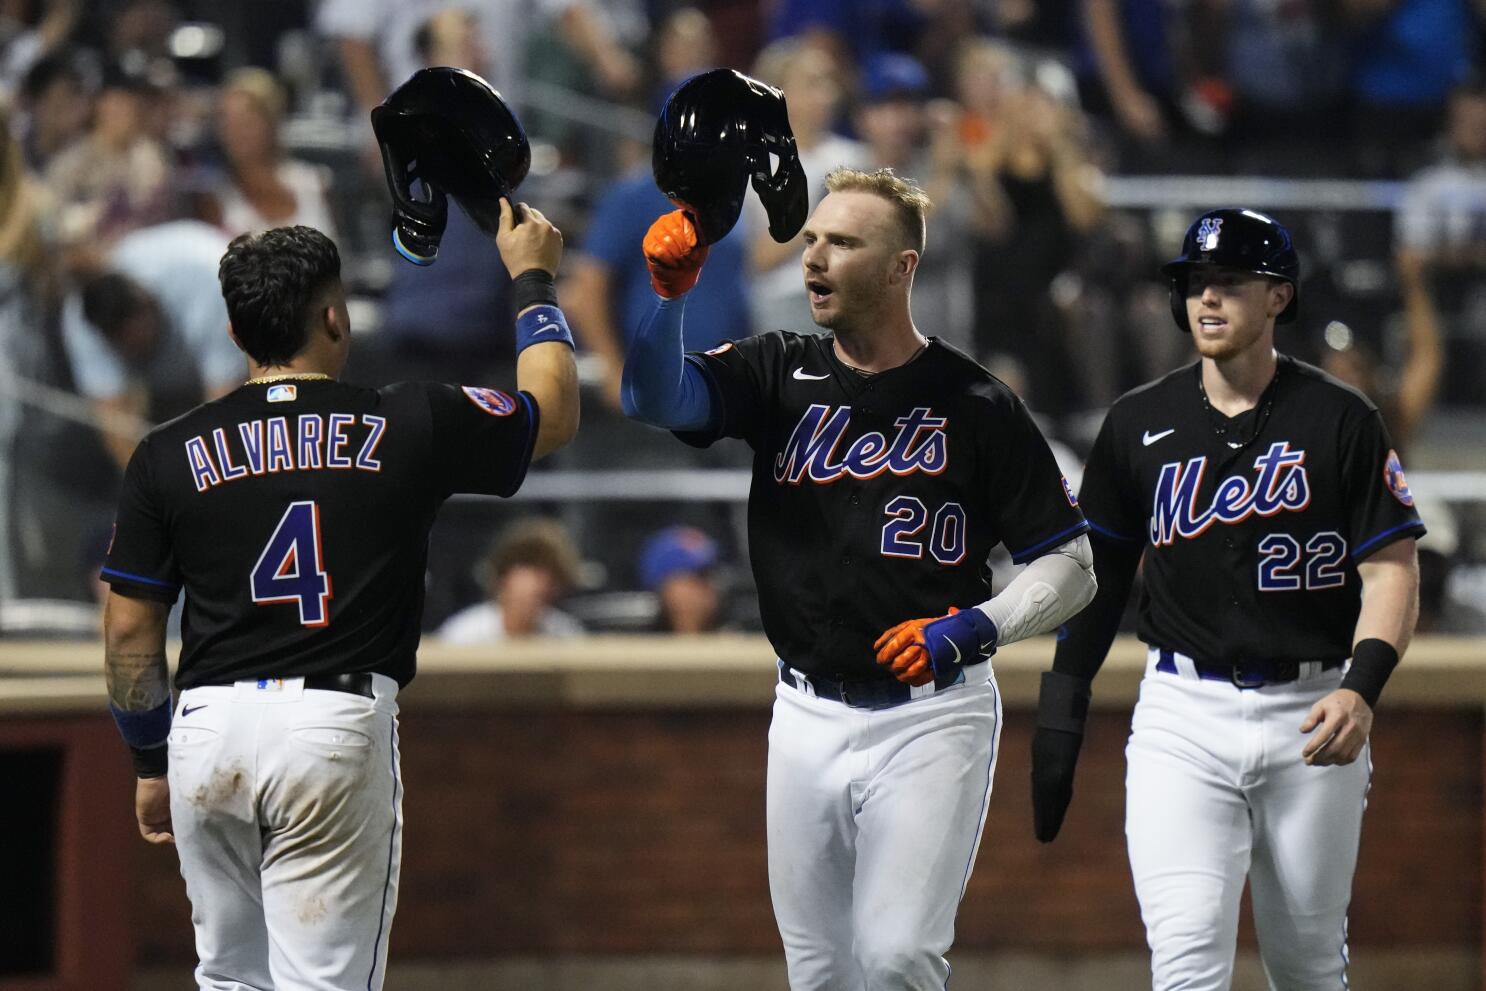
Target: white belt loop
802	681
1308	670
1185	666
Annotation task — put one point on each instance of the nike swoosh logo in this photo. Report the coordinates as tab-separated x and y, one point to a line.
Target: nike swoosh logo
1149	438
186	710
550	329
805	376
958	658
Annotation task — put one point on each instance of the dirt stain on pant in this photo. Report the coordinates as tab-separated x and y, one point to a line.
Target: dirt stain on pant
218	790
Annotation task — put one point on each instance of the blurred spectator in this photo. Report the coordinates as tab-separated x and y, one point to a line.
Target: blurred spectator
531	566
115	178
1039	190
21	250
452	320
1127	70
862	28
811	80
608	292
376	40
29	33
905	132
678	564
56	104
1406	57
684	46
264	188
149	337
1440	229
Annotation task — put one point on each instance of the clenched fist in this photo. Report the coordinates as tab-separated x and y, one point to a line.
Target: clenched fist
674	254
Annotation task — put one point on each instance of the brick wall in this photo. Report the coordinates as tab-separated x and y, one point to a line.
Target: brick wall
550	832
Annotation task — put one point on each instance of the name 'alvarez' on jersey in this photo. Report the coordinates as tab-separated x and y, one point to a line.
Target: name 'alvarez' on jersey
1252	535
878	498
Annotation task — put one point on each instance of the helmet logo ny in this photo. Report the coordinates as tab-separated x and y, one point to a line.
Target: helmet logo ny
1207	234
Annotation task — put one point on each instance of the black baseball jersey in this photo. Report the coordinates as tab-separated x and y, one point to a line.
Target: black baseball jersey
1251	535
295	514
878	498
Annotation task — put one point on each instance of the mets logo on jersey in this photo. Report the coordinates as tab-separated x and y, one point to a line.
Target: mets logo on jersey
812	453
492	401
1207	233
1281	485
1393	478
1068	491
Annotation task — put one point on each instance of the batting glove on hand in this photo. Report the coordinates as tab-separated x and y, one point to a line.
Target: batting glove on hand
919	651
674	254
1062	709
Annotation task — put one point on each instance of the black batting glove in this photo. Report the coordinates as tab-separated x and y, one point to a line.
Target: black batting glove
1062	710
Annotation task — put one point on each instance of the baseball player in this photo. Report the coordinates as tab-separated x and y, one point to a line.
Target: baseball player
886	466
1277	538
294	512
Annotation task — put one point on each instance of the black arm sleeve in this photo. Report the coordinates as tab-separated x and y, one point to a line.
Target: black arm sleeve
1084	640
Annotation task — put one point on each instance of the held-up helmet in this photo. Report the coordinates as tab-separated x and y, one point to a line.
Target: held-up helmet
448	130
717	131
1242	239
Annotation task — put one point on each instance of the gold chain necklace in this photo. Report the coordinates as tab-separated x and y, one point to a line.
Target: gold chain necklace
299	376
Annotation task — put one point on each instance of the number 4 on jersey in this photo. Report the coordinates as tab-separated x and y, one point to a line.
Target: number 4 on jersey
291	568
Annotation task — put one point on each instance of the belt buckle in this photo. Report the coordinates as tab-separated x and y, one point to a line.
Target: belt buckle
1236	675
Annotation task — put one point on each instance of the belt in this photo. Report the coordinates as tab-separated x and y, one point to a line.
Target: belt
880	693
1248	675
357	683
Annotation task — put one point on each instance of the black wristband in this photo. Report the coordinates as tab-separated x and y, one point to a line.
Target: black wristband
532	287
1063	702
1373	660
151	762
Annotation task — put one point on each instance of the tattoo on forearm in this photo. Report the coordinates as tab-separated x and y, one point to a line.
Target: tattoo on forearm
137	681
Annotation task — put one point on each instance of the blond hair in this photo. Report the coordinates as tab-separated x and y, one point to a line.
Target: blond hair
910	203
259	86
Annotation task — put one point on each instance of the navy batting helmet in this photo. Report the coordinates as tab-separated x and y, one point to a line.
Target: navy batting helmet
1242	239
448	130
716	132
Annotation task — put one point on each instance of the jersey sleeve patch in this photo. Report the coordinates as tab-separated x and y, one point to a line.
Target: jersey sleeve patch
1068	491
722	348
1393	478
492	401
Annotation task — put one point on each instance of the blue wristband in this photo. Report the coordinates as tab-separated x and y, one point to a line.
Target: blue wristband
967	637
144	730
540	324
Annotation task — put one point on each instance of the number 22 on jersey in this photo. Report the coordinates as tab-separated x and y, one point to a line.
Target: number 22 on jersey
292	568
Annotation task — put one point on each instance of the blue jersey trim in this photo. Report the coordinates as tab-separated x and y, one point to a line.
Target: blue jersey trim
1362	548
1017	557
140	578
1106	532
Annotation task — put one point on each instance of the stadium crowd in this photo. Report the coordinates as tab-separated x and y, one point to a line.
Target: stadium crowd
137	137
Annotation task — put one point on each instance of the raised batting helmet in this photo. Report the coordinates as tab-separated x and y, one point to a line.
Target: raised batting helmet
716	132
1242	239
448	130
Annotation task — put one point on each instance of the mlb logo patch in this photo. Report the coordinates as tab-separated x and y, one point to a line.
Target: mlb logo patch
722	348
1393	478
283	393
270	684
1207	234
492	401
1068	491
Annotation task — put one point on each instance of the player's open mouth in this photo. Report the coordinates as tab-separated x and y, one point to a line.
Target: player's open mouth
1212	323
818	291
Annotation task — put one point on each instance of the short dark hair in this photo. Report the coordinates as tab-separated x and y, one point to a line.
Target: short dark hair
272	282
111	300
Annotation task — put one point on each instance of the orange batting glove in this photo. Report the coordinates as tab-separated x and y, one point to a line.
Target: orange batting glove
674	254
901	650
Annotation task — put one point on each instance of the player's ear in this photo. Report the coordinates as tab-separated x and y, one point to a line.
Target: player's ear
1280	295
330	319
905	265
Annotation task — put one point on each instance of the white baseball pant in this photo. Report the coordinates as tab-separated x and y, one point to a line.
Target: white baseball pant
874	818
1216	791
287	809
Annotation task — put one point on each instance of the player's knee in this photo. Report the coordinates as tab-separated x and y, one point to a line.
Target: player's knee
899	963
